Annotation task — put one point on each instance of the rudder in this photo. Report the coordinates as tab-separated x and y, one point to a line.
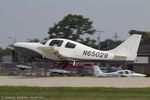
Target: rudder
128	48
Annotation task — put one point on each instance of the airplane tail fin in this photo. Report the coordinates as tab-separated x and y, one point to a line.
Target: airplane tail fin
128	48
97	70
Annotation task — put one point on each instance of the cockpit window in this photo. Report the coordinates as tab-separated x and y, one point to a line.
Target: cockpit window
120	72
70	45
56	42
126	72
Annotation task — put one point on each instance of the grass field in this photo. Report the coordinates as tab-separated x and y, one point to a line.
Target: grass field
53	93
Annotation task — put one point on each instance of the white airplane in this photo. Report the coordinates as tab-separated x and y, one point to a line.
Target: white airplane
23	66
59	49
59	71
120	73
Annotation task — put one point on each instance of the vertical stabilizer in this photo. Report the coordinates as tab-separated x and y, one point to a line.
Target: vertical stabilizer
97	71
128	48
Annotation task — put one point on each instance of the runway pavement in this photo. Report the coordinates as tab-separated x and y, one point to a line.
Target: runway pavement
121	82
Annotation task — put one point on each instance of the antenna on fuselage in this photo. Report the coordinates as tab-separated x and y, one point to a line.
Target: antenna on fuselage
99	39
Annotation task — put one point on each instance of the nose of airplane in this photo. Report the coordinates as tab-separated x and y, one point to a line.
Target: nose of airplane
27	45
16	45
21	44
140	75
28	48
143	75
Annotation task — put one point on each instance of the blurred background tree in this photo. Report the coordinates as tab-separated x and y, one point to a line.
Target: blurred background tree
4	52
74	27
33	40
145	36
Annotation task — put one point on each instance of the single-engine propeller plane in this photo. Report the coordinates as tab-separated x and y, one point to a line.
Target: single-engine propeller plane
120	73
59	49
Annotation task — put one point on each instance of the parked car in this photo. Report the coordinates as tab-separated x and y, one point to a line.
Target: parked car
27	72
40	72
13	71
86	71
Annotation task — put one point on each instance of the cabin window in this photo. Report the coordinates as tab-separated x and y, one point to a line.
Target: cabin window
56	42
120	72
70	45
126	72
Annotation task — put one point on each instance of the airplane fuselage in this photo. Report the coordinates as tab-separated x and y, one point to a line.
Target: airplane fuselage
80	51
63	49
120	73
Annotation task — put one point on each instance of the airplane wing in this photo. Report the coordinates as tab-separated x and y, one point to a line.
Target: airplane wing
50	53
23	66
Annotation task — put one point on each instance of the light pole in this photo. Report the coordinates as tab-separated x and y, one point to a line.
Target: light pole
116	36
12	40
99	39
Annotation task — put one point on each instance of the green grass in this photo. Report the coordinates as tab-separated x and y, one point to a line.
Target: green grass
51	93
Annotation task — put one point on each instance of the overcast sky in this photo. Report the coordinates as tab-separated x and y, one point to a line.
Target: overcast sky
27	19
